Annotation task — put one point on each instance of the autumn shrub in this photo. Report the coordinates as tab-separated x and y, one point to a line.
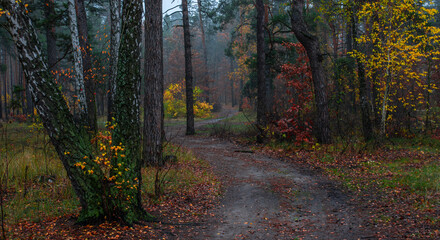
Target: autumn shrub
295	124
175	102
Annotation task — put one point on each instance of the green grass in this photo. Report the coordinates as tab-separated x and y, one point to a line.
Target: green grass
38	186
170	122
419	143
180	176
423	180
239	124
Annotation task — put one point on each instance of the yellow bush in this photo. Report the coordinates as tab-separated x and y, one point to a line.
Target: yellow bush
175	102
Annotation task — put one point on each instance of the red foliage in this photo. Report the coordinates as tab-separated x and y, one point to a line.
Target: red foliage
298	80
19	117
246	103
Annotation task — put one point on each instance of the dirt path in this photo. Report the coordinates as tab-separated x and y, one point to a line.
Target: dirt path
266	198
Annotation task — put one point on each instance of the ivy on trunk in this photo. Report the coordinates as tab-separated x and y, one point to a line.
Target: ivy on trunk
108	187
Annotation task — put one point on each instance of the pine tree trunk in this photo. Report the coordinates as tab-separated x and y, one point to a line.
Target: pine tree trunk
311	44
1	87
232	82
115	35
153	89
51	38
190	130
205	52
367	126
99	198
261	78
5	86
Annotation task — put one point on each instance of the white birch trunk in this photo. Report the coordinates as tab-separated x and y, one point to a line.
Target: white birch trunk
79	74
385	98
115	18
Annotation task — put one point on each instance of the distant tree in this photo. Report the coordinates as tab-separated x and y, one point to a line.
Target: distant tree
190	130
205	52
261	73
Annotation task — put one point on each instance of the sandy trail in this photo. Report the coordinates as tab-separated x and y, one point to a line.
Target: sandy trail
266	198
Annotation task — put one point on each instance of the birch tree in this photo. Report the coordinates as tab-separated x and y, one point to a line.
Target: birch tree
115	35
78	62
393	31
108	186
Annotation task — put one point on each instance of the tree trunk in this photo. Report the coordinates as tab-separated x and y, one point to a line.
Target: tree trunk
115	36
89	84
100	198
240	103
367	127
1	88
126	108
190	130
5	86
29	103
78	65
261	78
70	141
428	97
311	44
23	84
205	52
232	83
153	89
51	38
383	118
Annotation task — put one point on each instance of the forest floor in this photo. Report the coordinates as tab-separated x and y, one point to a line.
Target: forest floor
267	198
225	186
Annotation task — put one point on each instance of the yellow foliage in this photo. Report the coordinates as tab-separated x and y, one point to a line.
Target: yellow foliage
401	36
175	102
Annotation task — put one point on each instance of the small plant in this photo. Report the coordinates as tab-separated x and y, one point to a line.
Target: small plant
161	172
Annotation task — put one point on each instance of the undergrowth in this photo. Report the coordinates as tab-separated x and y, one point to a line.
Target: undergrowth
398	179
36	187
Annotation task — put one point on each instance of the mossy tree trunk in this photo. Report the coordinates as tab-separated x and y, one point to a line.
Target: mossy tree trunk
100	198
126	107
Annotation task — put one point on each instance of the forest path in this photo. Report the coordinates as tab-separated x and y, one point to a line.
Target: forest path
266	198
